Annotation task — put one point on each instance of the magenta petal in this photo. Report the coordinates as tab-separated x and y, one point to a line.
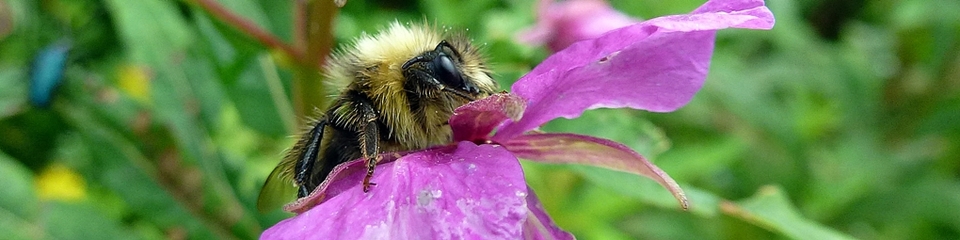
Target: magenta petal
587	150
333	184
562	23
475	120
538	224
656	65
462	192
325	191
763	17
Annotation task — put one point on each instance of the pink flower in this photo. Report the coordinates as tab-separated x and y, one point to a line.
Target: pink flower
560	24
475	188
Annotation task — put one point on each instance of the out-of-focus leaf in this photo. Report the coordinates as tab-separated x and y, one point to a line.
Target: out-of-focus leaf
653	8
14	90
16	228
243	79
81	221
120	167
19	206
461	16
27	136
846	173
6	20
153	42
18	196
116	163
249	10
278	14
162	45
692	162
935	197
187	103
179	101
258	109
701	202
771	209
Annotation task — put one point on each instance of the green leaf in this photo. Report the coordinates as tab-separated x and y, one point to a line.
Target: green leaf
186	101
14	227
18	196
151	29
19	206
81	221
771	209
460	14
121	168
701	202
243	77
249	10
13	94
279	15
702	160
258	108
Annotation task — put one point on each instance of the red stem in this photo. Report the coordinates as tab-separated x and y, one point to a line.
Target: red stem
226	16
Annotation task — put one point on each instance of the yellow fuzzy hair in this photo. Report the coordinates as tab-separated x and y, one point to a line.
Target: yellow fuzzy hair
379	58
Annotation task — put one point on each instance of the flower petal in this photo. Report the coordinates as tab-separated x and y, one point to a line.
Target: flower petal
656	65
562	23
538	224
761	18
587	150
327	189
475	120
462	192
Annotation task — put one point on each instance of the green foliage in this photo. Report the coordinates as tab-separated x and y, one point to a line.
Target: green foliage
833	125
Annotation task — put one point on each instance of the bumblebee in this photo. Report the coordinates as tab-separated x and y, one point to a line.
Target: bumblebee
396	91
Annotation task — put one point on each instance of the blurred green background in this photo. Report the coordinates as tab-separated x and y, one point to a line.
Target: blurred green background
841	122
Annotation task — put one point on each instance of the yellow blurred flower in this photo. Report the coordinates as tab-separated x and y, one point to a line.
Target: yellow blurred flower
134	81
57	182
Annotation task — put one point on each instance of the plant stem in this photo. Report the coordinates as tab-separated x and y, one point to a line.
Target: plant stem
313	28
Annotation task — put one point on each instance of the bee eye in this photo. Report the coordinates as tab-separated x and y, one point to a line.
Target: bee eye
446	72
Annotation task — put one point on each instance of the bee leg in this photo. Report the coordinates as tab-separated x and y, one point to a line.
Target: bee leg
307	158
369	143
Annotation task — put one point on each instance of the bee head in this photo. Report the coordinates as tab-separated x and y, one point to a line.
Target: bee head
441	69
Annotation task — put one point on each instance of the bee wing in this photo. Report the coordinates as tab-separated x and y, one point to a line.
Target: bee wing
279	189
286	180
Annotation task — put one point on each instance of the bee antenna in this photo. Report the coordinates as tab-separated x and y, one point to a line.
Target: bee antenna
444	43
416	59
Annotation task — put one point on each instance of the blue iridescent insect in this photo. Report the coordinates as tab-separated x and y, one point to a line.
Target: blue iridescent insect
46	72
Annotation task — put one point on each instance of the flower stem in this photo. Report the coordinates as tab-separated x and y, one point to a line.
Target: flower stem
313	23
